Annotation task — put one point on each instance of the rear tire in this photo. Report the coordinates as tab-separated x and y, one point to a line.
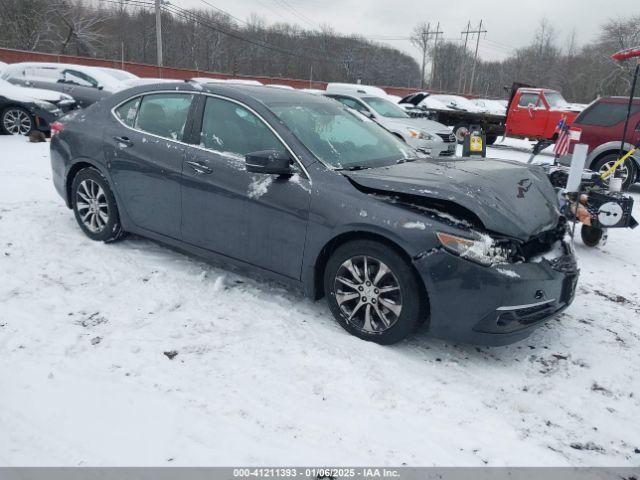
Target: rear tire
94	206
628	169
382	306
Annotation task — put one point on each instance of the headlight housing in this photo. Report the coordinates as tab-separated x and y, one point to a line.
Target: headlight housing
483	250
49	107
419	134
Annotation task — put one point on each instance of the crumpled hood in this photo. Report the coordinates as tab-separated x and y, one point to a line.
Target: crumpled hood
508	197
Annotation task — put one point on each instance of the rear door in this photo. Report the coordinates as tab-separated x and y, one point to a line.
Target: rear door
256	218
144	145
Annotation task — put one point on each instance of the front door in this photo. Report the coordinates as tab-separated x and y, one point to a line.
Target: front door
144	146
527	118
256	218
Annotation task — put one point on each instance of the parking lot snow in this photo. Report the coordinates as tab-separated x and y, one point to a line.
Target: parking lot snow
133	354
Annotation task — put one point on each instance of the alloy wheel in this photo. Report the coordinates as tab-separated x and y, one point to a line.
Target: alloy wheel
622	170
92	206
16	122
368	294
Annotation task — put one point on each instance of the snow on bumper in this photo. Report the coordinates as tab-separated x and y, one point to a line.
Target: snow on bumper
496	305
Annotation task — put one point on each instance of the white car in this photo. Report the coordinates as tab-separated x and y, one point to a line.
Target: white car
355	89
420	133
86	85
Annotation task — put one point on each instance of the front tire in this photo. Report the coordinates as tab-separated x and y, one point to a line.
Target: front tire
628	170
16	121
94	206
373	292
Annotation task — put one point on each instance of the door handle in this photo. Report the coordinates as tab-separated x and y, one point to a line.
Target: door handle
199	167
124	141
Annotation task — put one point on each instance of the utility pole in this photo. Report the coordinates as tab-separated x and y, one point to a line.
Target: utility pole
159	32
464	55
475	56
433	57
425	41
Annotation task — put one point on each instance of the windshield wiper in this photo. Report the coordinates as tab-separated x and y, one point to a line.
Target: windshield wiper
405	160
355	167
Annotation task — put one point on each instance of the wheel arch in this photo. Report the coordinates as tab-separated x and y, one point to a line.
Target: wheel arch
613	149
345	237
77	166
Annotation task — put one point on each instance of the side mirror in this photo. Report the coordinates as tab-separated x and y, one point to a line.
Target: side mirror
368	114
100	87
268	161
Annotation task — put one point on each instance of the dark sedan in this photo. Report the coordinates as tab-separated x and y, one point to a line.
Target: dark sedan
304	190
19	115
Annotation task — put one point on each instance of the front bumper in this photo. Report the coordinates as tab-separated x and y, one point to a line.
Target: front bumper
437	148
497	305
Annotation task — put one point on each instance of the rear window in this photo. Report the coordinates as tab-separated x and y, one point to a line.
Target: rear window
605	114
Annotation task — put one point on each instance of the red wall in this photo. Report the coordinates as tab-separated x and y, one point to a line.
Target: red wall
152	71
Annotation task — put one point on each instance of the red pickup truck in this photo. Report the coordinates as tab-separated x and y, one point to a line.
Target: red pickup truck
534	113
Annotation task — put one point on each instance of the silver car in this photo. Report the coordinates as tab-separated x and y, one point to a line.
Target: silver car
423	134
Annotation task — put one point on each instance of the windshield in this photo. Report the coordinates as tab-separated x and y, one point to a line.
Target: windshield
556	100
385	107
340	137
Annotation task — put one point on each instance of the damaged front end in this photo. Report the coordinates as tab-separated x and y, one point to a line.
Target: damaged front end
487	287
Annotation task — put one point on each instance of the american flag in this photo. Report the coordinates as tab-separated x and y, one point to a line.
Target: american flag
564	138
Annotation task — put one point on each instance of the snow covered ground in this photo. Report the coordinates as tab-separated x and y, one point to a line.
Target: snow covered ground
262	375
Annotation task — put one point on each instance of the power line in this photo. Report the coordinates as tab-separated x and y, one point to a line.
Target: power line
295	12
189	15
224	12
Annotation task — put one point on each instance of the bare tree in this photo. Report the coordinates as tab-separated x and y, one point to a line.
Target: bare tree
420	39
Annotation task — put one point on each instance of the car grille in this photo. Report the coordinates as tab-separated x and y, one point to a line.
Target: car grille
447	137
448	153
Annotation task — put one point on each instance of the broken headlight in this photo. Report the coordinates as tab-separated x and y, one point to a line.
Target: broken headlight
483	249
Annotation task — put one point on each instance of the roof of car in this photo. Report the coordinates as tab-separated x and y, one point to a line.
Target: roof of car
618	99
261	93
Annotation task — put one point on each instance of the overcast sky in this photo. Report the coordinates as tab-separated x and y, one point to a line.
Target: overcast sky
509	23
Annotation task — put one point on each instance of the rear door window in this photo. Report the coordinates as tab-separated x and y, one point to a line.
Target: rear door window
163	114
605	114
